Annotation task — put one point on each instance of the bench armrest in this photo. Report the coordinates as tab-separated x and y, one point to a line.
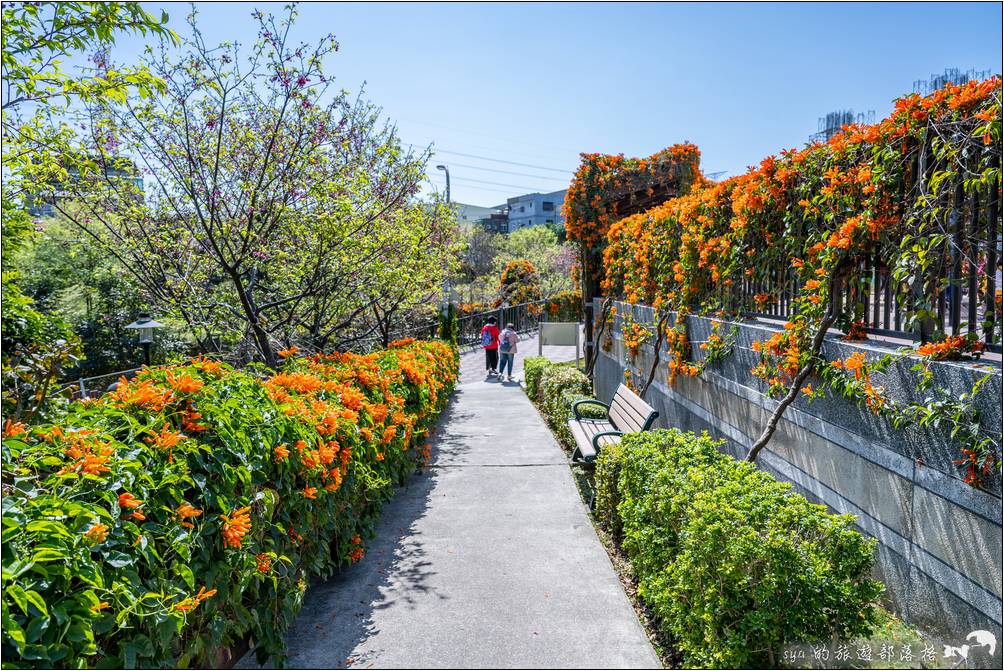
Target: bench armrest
601	434
588	401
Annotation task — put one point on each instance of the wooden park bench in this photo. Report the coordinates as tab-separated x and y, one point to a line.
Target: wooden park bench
627	413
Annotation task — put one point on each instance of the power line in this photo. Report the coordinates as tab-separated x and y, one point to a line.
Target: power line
467	131
482	181
498	160
508	172
494	160
504	149
485	188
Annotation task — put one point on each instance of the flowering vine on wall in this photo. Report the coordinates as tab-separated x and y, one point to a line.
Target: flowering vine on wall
606	187
814	217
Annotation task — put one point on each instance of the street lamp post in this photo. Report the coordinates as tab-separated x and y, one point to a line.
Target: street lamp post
447	289
447	171
145	325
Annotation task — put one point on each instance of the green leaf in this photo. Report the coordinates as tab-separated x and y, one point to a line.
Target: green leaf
117	559
17	593
43	555
36	600
185	574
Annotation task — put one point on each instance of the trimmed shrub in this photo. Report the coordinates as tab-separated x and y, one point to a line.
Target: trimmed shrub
560	386
734	564
553	387
565	306
448	325
533	369
606	477
190	507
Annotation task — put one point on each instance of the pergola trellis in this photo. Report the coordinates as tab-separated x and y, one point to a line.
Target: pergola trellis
608	187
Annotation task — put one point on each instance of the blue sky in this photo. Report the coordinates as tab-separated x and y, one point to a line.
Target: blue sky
536	84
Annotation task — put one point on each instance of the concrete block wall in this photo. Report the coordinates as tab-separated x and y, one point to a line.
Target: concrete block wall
940	542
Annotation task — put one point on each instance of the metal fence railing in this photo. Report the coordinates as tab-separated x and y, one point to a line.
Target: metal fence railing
92	387
967	305
957	294
525	318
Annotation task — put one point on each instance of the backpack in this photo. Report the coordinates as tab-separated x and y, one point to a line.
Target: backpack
486	337
504	344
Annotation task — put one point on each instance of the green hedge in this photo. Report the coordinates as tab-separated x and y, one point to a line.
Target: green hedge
190	508
533	369
733	563
605	479
553	387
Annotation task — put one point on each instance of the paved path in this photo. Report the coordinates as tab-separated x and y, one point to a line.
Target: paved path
488	559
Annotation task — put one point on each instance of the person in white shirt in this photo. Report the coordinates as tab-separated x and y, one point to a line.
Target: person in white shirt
507	350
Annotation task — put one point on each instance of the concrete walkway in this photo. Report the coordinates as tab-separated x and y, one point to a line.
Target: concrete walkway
488	559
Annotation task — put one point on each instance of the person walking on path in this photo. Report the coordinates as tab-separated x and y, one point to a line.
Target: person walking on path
490	341
507	350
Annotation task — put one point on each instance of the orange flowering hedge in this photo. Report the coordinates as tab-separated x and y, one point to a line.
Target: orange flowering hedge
190	508
564	306
519	283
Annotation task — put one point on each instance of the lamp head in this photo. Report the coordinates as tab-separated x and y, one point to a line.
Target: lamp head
145	325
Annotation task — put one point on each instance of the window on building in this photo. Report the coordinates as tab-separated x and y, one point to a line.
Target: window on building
547	206
522	208
549	221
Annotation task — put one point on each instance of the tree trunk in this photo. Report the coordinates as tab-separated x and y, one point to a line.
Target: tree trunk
251	314
597	334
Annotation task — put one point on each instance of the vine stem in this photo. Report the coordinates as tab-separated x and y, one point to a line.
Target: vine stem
597	335
796	385
660	332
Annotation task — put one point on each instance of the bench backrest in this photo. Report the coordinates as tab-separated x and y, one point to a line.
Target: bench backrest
629	413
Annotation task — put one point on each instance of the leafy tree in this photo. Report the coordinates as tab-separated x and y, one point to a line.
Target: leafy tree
38	101
540	246
519	283
425	250
39	93
480	249
67	275
486	256
36	346
278	208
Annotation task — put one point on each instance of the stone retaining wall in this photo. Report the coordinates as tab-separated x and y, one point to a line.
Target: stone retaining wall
939	539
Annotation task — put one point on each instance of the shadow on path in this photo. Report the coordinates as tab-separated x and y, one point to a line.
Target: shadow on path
338	614
486	559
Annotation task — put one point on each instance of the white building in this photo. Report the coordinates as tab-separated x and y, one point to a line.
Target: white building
536	209
469	215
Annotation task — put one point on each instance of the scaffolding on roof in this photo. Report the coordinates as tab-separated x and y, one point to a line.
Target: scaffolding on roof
949	76
833	123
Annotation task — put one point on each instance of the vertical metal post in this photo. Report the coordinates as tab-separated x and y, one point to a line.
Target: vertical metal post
589	292
974	257
924	288
958	242
576	345
990	302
